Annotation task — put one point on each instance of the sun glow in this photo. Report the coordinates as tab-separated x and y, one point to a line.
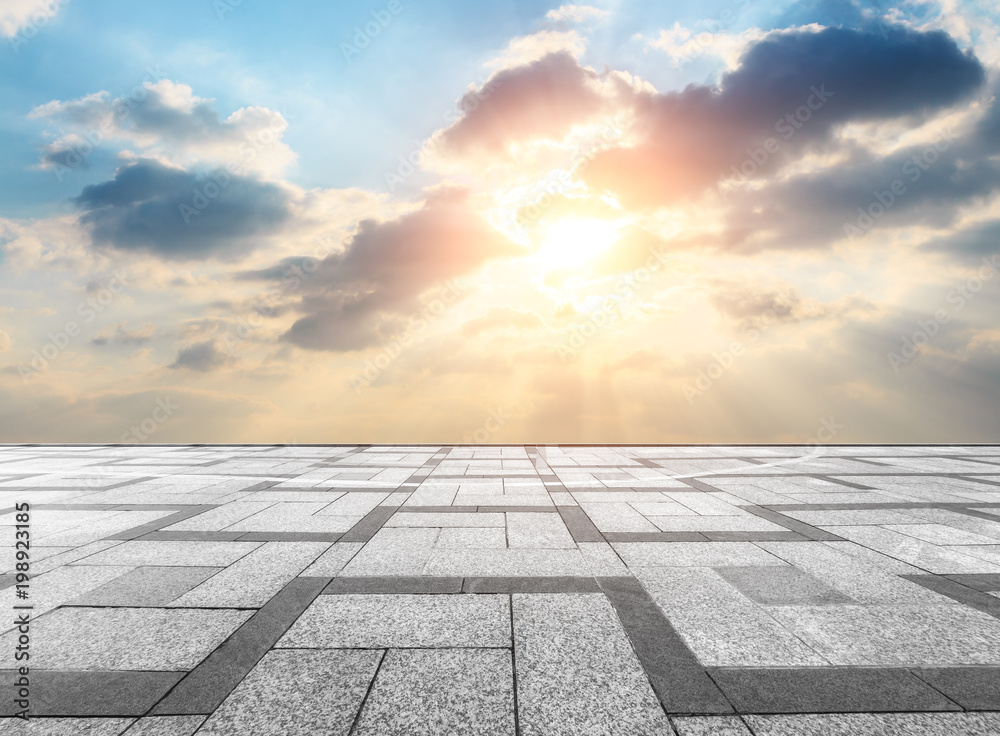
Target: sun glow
573	241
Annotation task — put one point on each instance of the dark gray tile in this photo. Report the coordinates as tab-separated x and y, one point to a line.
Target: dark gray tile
206	686
164	536
788	536
655	537
290	537
512	585
782	586
580	527
678	679
807	531
974	688
368	527
153	526
387	585
85	694
988	581
958	592
828	690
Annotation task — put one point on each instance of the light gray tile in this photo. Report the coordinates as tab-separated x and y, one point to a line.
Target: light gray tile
577	672
253	580
477	538
297	693
506	563
471	520
127	638
538	531
710	726
693	554
394	552
331	562
446	691
714	524
878	724
616	517
166	726
145	586
782	586
64	726
924	555
172	554
383	621
219	518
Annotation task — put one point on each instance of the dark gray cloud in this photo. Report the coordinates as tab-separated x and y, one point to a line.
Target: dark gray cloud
121	335
175	214
202	357
792	88
367	293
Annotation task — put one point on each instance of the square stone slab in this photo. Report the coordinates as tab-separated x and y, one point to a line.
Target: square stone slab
443	691
297	693
782	586
127	638
382	621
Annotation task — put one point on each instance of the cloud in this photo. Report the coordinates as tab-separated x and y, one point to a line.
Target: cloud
502	318
165	211
793	88
166	119
354	298
203	357
540	100
119	335
575	14
5	341
18	14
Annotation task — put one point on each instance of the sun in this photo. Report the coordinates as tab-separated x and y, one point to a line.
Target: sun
573	241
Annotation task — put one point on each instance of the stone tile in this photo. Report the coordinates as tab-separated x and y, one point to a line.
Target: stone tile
65	727
446	691
616	517
477	538
506	562
297	693
331	562
384	621
166	726
782	586
146	586
538	531
693	554
941	535
172	554
710	726
445	520
858	578
924	555
219	518
860	517
127	638
394	552
577	672
722	627
973	688
896	635
602	559
714	524
253	580
877	724
58	587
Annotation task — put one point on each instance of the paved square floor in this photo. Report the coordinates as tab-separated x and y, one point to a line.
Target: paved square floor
522	590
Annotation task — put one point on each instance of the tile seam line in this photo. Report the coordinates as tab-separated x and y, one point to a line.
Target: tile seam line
364	701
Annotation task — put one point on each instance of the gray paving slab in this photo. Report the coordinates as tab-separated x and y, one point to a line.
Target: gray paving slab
394	552
394	585
147	587
166	726
127	638
81	694
693	554
576	671
443	691
779	586
472	538
877	724
254	579
297	693
538	531
973	688
171	554
65	726
828	690
710	726
331	562
506	563
386	621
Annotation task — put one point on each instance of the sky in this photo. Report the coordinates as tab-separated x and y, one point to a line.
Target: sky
631	221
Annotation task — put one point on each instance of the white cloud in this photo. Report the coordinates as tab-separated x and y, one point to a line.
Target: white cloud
575	14
17	15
